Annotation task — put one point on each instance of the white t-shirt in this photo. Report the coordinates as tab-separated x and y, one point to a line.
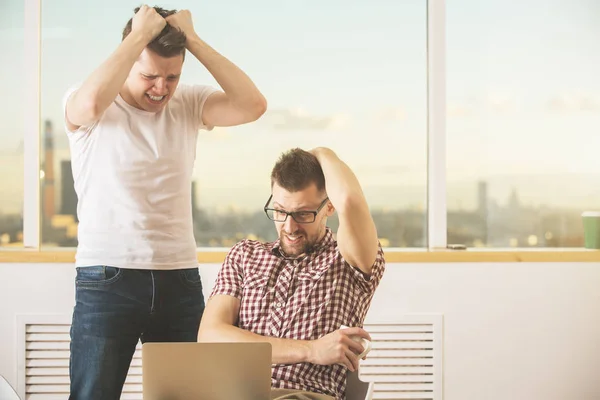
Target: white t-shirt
133	171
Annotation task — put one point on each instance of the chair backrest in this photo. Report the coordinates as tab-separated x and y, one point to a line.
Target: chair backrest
357	389
6	391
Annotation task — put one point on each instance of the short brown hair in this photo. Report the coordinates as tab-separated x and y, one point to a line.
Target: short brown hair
297	169
169	43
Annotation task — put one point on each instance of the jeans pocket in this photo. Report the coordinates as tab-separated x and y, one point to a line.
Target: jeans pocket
190	277
97	275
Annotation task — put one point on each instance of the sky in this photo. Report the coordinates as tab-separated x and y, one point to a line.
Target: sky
523	92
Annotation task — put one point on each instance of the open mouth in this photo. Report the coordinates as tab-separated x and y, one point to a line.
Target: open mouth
155	99
294	239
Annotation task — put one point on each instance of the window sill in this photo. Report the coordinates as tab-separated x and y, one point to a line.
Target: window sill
392	255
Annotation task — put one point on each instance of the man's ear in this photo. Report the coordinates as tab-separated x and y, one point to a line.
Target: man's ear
330	209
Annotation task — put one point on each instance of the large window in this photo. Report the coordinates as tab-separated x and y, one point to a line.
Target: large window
11	132
352	78
523	120
518	139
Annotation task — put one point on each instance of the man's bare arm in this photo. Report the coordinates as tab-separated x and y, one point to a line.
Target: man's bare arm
100	89
241	101
356	235
218	325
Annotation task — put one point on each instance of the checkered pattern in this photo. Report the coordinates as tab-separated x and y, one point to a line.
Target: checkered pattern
303	299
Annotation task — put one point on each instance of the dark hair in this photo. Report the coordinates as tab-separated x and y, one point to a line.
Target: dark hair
170	42
297	169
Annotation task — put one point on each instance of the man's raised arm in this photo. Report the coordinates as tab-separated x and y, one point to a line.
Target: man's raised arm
241	101
356	235
100	89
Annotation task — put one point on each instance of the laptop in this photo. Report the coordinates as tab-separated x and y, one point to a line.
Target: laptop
206	371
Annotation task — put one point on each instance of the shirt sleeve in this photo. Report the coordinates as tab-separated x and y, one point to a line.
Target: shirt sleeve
194	97
368	283
64	107
230	277
82	130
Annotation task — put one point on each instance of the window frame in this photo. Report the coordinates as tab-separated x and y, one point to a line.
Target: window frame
436	232
32	122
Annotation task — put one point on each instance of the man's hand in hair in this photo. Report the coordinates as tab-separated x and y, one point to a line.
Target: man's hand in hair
182	20
148	22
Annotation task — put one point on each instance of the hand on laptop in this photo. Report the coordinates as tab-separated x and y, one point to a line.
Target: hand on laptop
338	348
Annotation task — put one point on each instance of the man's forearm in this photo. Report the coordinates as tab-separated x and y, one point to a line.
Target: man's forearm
235	83
285	351
101	88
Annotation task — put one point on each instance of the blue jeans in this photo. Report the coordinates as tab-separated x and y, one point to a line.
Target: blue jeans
117	307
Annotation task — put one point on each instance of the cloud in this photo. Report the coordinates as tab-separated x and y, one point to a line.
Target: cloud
297	119
218	134
391	114
455	110
500	102
572	102
8	151
494	102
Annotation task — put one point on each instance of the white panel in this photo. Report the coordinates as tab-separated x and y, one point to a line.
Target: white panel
405	361
44	360
402	395
54	396
33	328
406	358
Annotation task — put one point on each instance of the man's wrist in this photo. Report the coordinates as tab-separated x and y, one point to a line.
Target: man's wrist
307	351
139	38
192	39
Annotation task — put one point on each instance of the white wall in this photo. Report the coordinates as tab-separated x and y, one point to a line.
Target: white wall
511	331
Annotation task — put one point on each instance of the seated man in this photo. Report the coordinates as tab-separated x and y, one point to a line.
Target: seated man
297	292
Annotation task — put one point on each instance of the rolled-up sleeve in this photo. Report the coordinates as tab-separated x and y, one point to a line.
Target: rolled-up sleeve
368	283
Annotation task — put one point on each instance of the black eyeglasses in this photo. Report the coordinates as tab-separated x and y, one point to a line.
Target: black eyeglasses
301	217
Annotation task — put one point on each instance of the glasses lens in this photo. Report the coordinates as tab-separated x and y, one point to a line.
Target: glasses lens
276	215
304	217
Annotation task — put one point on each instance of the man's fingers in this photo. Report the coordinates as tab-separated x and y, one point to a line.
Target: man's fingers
352	359
356	347
356	331
347	363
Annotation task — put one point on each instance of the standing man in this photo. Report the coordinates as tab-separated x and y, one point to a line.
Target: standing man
132	132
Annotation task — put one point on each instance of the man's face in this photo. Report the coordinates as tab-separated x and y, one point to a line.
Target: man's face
297	238
152	81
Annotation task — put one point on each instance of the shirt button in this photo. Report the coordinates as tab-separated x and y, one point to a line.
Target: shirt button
278	305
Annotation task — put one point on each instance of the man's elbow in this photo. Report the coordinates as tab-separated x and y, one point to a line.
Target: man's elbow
206	334
257	108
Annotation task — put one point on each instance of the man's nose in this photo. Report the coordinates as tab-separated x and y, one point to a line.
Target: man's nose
161	86
290	225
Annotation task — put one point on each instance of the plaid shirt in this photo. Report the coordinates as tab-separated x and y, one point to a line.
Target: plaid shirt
303	299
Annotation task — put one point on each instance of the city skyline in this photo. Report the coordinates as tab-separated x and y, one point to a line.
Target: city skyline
534	190
489	224
511	224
